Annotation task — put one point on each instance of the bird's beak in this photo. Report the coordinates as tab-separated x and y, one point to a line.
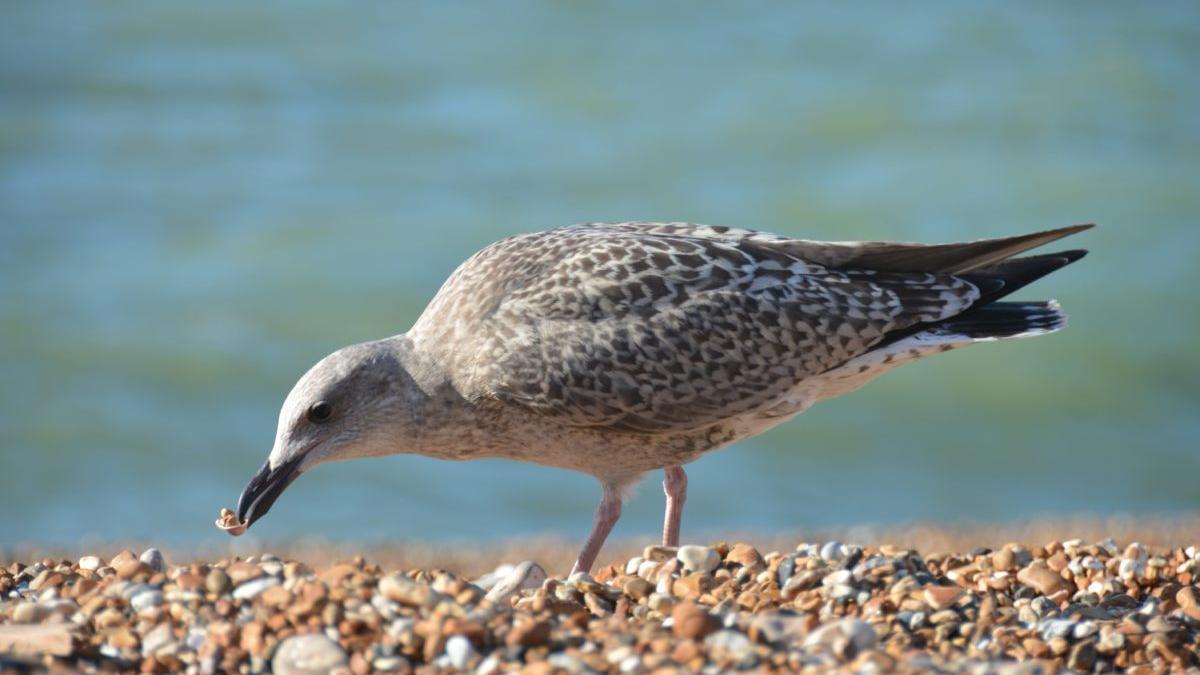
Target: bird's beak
266	486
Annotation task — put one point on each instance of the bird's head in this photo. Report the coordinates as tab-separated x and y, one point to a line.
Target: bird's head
356	402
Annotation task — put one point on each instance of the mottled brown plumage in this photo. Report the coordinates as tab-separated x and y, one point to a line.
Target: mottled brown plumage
616	349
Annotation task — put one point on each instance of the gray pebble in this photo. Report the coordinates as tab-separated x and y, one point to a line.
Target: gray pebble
787	567
146	600
729	640
154	558
307	655
832	551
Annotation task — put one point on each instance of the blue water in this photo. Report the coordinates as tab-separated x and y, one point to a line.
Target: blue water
199	201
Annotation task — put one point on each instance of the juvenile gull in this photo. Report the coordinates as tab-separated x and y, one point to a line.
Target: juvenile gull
617	349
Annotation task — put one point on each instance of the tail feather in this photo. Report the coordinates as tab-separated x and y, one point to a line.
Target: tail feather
1008	276
995	281
1005	320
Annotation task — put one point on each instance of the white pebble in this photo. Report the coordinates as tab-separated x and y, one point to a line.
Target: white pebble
459	650
524	576
698	558
146	600
832	551
254	588
648	570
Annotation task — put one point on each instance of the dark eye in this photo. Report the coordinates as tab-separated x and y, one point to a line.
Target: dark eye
319	412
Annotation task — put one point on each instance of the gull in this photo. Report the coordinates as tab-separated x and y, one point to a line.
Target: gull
624	348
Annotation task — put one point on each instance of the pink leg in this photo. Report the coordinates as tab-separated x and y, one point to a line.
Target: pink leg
675	487
607	514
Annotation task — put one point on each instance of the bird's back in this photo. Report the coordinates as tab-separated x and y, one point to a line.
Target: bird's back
669	328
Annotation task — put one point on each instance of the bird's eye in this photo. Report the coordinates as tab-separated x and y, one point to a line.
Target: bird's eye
319	412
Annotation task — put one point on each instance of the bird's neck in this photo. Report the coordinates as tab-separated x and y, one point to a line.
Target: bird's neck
438	420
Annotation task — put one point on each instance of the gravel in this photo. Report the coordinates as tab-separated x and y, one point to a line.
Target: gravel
819	606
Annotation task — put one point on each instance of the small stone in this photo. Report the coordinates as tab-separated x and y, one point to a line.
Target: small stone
1042	579
525	576
858	634
390	664
253	588
637	588
692	622
294	570
89	562
154	558
1083	657
732	642
1189	601
42	640
648	570
241	572
783	574
460	651
698	558
276	596
217	582
1111	641
942	597
122	558
311	654
161	638
780	629
660	602
133	569
658	554
528	634
408	592
146	600
490	665
692	586
943	617
832	551
28	612
746	556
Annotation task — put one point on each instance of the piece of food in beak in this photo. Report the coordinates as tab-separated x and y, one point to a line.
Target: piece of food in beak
230	523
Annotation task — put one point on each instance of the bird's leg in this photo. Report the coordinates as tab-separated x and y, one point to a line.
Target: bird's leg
607	514
675	487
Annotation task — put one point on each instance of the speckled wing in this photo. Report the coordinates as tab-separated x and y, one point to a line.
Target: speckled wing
664	330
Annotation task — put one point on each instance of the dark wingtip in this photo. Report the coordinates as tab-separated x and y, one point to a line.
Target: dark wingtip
1073	255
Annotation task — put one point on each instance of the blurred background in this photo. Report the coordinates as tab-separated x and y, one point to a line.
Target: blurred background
199	201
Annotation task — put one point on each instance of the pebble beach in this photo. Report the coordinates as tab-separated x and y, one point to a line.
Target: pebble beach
1061	605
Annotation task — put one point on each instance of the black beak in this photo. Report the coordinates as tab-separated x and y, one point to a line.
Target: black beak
266	486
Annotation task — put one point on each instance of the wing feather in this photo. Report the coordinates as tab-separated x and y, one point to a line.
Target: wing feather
654	332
